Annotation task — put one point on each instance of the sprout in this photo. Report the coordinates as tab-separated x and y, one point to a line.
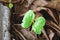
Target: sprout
28	19
10	5
38	25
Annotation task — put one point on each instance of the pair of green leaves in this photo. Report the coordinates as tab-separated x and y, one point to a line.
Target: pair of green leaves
29	18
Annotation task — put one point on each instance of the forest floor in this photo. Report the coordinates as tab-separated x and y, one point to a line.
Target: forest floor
49	9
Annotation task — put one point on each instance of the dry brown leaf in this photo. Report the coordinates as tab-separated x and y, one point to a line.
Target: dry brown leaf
28	34
54	4
40	3
53	26
59	20
52	15
48	10
24	32
51	34
16	31
13	1
29	2
43	31
37	14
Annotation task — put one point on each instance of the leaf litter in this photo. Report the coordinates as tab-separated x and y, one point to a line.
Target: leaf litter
41	8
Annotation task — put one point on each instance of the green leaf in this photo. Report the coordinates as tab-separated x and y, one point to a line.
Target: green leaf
10	5
38	25
28	19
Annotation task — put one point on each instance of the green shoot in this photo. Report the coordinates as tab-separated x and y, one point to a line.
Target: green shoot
38	25
28	19
10	5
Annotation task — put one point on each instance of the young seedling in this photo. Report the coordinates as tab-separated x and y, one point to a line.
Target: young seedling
28	19
10	4
38	25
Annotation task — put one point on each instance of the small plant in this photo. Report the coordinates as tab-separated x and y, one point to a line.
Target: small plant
10	4
29	19
38	25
